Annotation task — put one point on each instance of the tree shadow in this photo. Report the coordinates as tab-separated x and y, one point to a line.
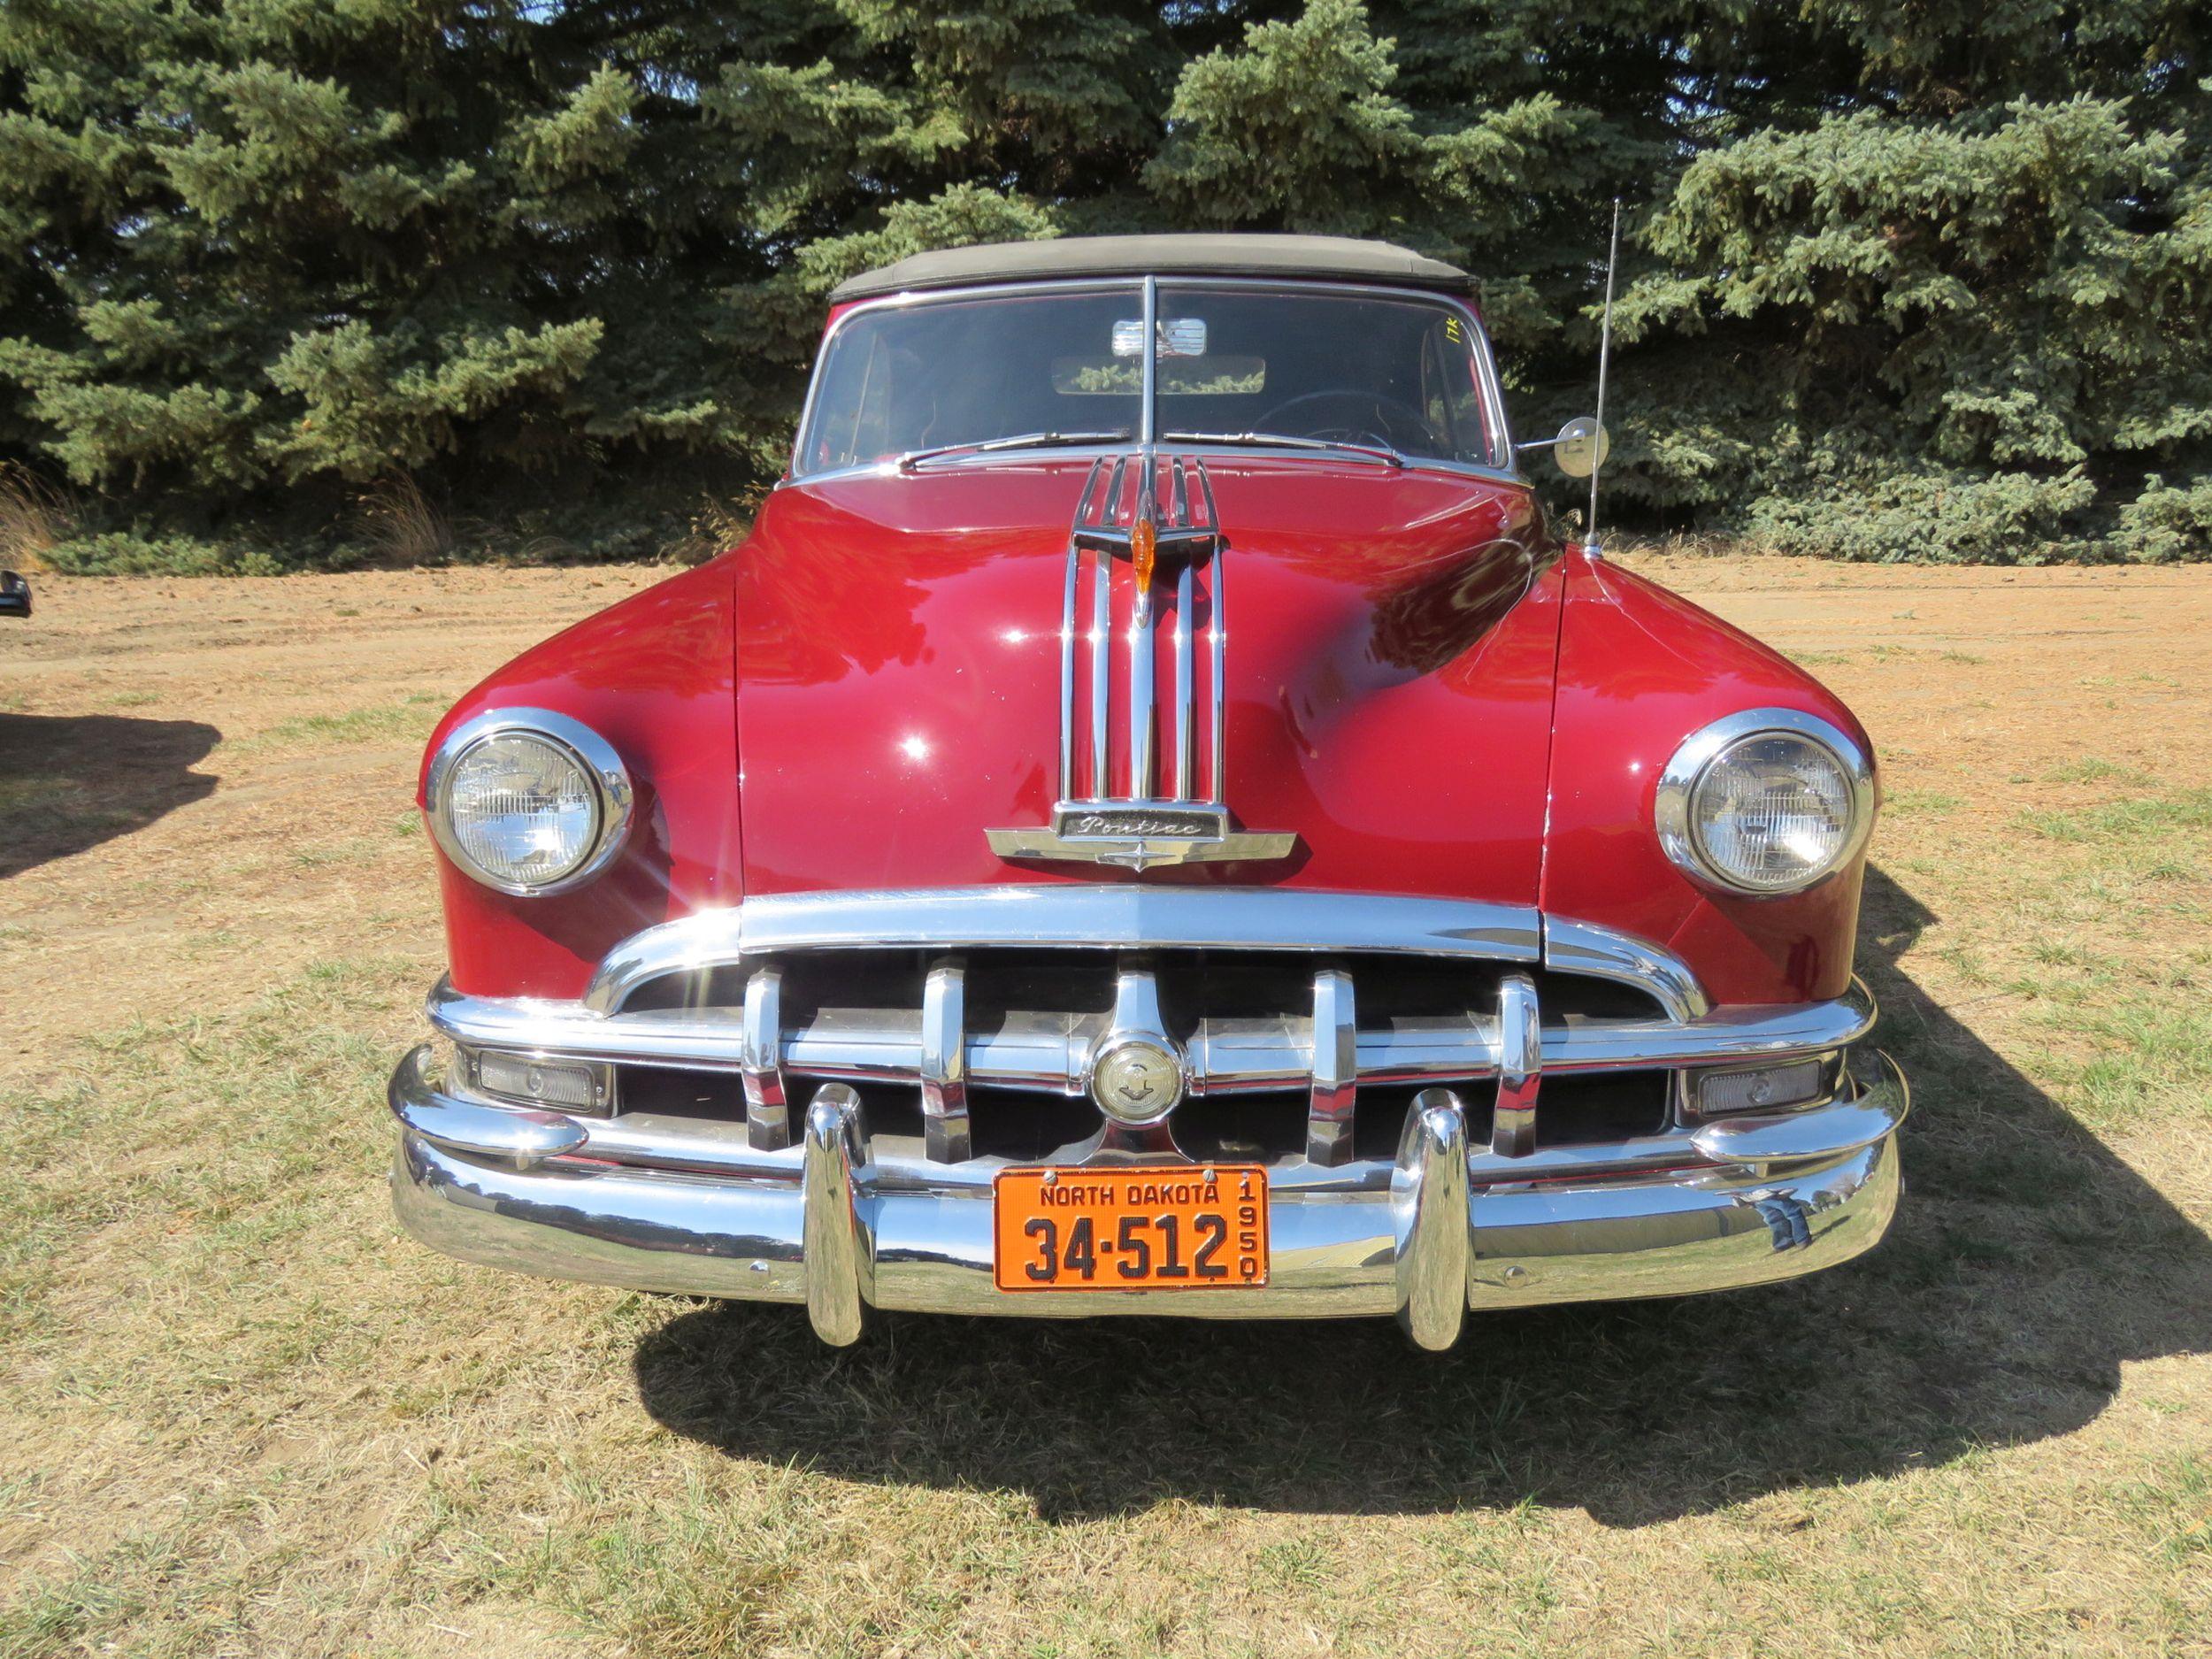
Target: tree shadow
69	782
2026	1264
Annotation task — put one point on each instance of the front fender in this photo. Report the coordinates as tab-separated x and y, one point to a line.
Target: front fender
1639	670
653	675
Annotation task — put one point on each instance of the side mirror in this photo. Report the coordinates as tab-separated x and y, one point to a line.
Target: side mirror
1581	447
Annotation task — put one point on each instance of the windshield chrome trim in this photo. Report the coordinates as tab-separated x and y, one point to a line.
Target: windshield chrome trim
1485	361
1226	452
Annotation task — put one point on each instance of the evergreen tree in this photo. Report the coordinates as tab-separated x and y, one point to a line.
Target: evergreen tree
1902	281
1962	320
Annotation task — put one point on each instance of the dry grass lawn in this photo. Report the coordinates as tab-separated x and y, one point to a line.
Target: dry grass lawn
240	1415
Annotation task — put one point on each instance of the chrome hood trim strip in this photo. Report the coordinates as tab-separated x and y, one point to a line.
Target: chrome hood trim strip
1131	514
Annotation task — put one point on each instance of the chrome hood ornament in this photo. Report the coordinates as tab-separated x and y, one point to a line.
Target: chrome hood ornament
1153	819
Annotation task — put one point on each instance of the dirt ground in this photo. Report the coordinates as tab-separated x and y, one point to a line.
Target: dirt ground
240	1415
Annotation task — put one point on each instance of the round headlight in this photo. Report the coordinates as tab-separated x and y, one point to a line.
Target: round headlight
1767	801
527	801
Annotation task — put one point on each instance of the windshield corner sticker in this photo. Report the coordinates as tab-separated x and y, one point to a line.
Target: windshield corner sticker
1159	817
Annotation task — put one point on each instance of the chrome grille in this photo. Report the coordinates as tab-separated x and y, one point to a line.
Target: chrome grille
970	1014
1319	1031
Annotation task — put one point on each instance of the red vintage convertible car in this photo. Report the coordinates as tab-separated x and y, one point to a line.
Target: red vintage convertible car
1153	820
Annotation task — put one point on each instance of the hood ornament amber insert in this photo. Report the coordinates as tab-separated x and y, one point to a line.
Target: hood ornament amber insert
1144	555
1152	820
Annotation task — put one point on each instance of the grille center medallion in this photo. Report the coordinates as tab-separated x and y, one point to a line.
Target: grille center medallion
1136	1080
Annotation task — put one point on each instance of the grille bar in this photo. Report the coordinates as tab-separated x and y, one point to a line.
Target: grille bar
1520	1067
944	1064
1333	1043
1046	1050
767	1100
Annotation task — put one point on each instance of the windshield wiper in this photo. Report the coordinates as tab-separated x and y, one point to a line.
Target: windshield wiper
1382	452
1024	440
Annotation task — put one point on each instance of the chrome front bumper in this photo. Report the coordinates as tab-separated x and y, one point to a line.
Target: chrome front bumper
1443	1228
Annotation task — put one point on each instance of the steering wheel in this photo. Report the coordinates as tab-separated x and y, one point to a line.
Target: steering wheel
1365	415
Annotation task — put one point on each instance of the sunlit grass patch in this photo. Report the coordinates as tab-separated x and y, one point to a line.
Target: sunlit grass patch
273	1097
2153	1059
1929	803
2057	826
2095	769
41	1220
1968	962
167	1580
2059	952
1302	1562
54	1614
357	850
413	716
2150	815
2172	1511
2075	942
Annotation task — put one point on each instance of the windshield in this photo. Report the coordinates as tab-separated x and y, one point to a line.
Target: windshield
1402	374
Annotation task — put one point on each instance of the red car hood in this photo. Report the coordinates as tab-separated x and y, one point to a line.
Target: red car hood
1389	659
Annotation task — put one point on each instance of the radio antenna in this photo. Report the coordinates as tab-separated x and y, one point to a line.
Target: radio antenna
1605	349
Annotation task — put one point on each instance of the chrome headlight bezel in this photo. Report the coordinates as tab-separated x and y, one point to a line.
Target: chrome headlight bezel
1679	780
592	755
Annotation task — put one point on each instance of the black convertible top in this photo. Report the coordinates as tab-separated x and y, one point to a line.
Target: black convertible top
1242	254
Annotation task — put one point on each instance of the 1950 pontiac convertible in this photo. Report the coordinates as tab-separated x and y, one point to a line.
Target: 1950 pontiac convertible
1152	820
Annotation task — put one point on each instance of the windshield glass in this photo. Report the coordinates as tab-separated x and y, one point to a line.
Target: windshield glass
1394	372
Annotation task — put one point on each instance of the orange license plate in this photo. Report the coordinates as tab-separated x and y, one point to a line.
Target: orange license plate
1199	1229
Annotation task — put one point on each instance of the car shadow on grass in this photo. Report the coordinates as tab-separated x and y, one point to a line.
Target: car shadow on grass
70	782
2026	1264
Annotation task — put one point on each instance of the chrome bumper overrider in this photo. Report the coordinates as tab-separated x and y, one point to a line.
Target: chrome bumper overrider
1439	1230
